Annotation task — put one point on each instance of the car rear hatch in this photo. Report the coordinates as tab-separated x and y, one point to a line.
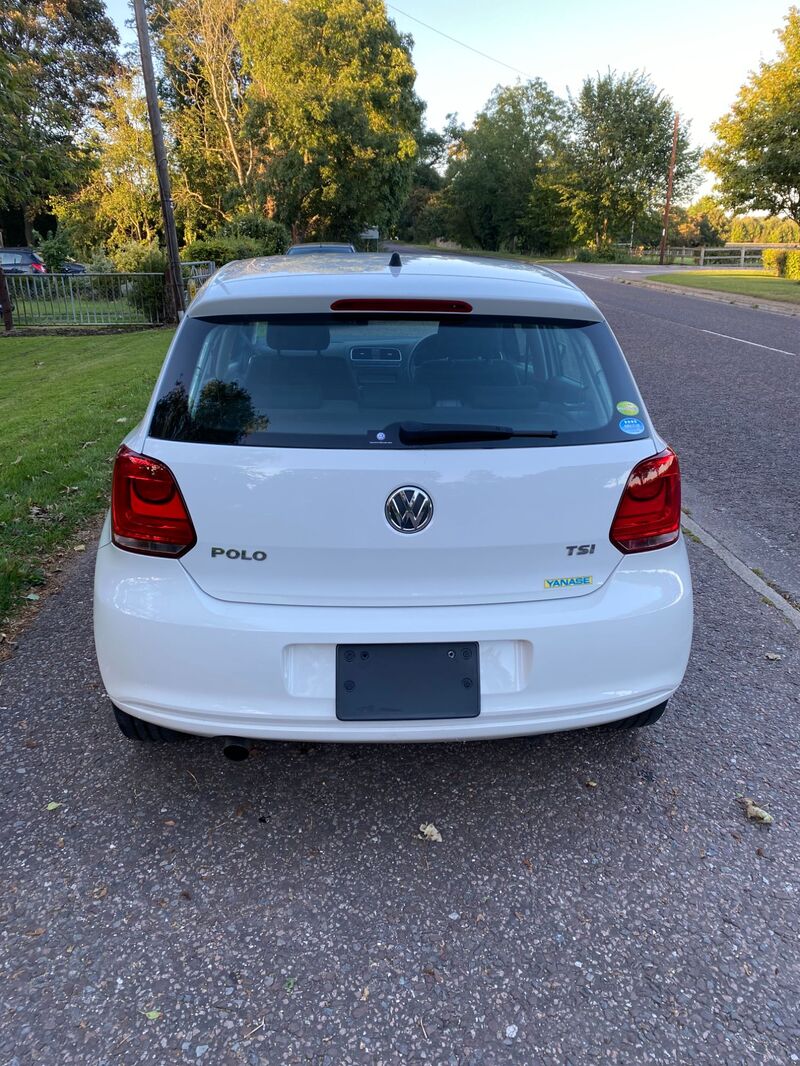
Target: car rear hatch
289	438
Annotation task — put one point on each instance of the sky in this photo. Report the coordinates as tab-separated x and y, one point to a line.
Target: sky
698	51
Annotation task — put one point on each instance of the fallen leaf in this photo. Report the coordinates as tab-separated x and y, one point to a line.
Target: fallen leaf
79	547
118	420
100	893
35	932
170	821
32	596
773	656
591	784
152	1015
365	994
428	831
756	813
17	461
31	743
53	806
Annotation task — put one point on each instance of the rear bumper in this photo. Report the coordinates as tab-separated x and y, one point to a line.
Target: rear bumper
172	655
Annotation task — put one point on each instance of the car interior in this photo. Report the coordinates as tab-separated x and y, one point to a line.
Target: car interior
355	375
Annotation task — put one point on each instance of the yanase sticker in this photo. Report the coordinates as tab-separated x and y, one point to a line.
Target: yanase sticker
566	582
632	426
625	407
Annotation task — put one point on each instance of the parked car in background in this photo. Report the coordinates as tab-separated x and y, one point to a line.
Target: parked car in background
326	247
70	266
21	261
391	501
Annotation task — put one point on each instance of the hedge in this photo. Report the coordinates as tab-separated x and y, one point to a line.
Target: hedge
774	262
792	266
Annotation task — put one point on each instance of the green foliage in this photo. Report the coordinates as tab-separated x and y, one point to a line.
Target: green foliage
774	262
55	249
223	249
495	163
332	94
792	269
75	390
614	166
748	229
55	58
133	256
757	155
702	223
272	237
148	291
546	227
120	201
219	151
422	217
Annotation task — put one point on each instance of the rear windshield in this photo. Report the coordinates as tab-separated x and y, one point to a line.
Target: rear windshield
360	381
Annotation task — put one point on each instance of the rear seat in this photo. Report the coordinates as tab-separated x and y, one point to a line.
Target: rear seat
293	368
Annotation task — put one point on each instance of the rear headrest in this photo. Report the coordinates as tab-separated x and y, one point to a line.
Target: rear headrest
463	341
297	337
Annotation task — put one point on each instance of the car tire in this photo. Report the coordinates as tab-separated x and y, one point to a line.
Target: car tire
638	721
145	732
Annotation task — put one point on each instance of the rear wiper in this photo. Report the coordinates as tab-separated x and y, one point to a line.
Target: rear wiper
430	433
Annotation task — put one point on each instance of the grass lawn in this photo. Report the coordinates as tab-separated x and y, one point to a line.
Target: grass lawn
30	312
65	404
753	283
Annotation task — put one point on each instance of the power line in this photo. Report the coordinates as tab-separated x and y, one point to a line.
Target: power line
456	41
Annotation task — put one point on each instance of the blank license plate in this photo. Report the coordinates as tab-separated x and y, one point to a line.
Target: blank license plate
404	682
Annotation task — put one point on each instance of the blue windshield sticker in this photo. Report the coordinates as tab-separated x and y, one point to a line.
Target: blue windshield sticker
631	425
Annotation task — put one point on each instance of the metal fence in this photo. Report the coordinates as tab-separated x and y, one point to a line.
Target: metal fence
98	299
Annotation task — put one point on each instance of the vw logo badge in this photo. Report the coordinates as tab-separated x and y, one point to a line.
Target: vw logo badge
409	509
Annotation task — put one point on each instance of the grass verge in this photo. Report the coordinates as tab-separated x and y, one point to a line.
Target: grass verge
754	283
65	404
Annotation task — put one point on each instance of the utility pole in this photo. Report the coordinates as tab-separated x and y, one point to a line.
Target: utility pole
5	303
157	131
670	176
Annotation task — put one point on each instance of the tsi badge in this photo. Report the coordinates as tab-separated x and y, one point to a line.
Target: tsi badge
580	549
566	582
239	553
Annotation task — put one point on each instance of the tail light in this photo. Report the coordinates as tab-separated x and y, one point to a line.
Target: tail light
38	268
148	513
649	513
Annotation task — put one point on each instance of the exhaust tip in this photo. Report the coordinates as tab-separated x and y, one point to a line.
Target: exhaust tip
236	749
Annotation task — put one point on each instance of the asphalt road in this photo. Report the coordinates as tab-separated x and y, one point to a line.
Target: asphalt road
722	383
597	896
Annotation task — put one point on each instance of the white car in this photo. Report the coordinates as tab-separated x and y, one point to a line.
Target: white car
408	501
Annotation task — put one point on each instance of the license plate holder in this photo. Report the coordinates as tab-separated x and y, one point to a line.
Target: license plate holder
407	682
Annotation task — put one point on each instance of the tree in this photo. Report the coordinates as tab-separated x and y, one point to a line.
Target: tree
205	90
757	155
333	96
120	200
615	165
416	216
495	163
55	59
701	223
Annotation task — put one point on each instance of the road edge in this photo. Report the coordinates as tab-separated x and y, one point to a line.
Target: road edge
770	306
790	613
